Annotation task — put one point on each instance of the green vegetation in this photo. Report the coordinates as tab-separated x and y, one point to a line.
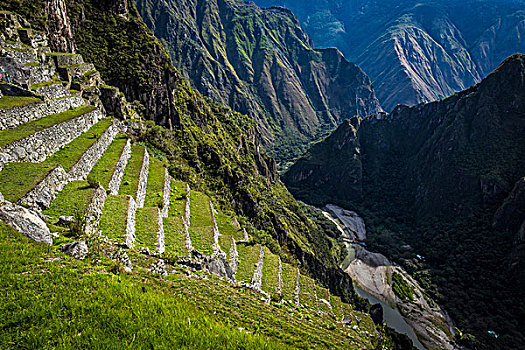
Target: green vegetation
401	287
11	135
248	259
177	199
289	275
337	307
32	64
200	210
115	217
103	171
202	239
54	301
71	153
75	196
146	227
130	180
306	292
270	280
226	226
323	293
44	84
7	102
155	188
174	239
17	179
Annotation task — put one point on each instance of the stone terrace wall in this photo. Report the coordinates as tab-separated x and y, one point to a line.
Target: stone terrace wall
39	146
15	116
53	91
143	180
46	191
83	167
116	179
94	210
130	225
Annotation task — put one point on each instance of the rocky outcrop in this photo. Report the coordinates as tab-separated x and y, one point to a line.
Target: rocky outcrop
116	179
40	145
78	250
159	268
12	117
143	181
61	33
45	192
25	221
219	266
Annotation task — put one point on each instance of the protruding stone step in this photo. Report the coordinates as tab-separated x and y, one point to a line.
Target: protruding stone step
71	72
216	247
40	145
13	117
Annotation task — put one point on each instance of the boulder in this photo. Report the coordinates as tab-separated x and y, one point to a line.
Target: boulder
376	312
78	250
217	265
26	222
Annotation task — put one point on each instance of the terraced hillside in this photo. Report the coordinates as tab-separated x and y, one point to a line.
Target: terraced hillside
79	182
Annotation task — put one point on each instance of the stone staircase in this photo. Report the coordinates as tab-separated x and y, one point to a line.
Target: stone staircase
64	160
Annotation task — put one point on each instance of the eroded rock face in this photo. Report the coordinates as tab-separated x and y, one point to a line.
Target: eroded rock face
26	222
61	34
78	250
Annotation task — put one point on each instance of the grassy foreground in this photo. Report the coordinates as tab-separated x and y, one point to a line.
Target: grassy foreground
49	300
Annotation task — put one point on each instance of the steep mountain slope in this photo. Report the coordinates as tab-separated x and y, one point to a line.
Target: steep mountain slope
416	51
261	63
208	146
151	212
442	177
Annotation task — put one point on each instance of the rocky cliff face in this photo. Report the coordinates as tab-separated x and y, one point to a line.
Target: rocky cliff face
448	173
61	36
261	63
416	51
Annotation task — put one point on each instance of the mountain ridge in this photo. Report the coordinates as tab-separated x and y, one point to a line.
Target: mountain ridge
449	169
261	63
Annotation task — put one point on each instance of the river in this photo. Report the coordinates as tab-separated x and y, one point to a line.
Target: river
392	318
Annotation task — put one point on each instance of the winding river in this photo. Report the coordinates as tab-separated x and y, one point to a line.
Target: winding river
392	318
